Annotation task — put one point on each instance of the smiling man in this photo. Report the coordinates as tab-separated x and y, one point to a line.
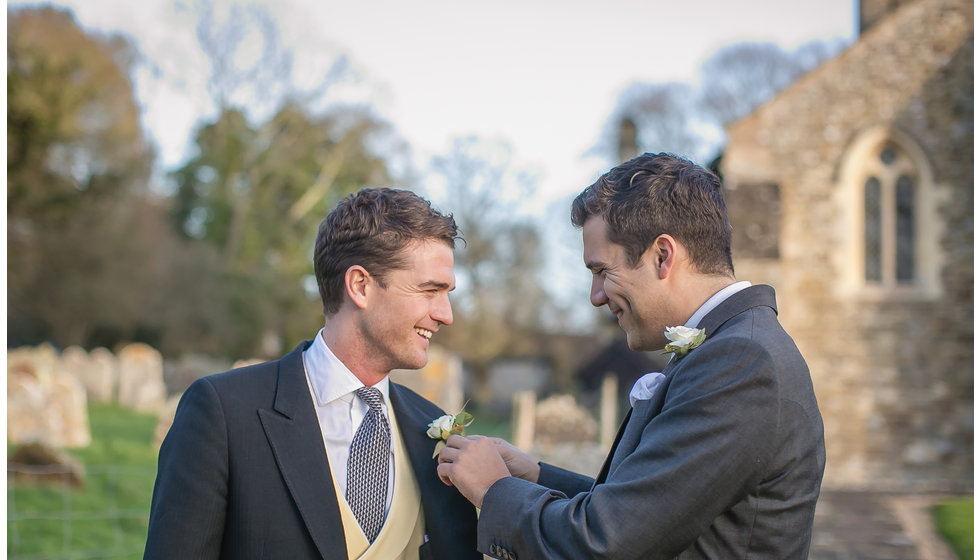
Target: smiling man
318	454
721	455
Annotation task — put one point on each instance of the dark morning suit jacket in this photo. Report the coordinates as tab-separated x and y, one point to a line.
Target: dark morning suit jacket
724	461
243	473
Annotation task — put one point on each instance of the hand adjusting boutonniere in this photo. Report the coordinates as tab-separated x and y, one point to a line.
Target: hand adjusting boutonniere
682	340
444	426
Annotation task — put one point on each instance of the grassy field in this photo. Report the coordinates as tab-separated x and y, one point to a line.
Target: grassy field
105	519
954	521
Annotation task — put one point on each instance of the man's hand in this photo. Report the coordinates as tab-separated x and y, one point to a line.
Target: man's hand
471	464
519	464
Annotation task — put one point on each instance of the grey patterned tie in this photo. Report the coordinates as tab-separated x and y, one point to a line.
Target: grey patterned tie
367	465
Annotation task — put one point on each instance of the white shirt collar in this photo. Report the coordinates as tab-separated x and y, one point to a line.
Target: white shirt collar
714	301
329	378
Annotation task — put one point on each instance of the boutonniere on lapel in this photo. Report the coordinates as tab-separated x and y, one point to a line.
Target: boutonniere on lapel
682	340
441	428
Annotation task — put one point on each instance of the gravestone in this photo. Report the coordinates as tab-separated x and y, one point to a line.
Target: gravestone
96	370
44	403
141	386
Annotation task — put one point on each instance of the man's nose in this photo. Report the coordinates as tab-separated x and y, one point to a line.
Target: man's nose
598	294
443	311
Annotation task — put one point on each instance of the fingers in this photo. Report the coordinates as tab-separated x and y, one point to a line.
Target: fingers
443	470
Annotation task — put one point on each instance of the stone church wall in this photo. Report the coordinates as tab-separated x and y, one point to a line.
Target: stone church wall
893	369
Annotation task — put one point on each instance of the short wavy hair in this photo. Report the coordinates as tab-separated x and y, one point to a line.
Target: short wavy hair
370	229
655	194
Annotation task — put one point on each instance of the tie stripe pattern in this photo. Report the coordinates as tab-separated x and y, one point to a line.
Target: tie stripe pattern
367	465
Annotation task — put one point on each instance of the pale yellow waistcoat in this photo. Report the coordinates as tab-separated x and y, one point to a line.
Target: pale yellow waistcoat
404	529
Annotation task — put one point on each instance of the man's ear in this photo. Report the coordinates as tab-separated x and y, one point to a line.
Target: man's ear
663	253
356	282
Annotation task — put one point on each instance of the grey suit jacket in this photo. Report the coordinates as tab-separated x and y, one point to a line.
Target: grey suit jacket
243	473
725	461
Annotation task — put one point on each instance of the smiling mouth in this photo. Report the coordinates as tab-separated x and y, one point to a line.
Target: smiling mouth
427	334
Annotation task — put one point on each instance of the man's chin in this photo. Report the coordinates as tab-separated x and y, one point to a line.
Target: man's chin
419	362
636	344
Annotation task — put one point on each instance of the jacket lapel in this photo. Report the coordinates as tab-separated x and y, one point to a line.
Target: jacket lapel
294	434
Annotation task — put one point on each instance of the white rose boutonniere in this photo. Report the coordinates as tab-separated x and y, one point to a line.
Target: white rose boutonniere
682	340
444	426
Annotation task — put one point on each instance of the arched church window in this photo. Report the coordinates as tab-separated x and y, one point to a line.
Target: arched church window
889	218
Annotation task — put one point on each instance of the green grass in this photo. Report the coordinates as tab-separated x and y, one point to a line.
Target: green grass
954	521
488	424
108	517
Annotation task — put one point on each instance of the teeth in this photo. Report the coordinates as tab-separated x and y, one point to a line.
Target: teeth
423	332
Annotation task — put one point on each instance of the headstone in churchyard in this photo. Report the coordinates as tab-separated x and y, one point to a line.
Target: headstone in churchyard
44	404
95	370
26	411
41	361
440	381
141	386
67	412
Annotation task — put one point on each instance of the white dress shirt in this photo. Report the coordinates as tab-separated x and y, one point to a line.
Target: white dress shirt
645	386
339	410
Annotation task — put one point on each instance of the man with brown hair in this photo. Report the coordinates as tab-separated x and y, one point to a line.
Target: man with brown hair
721	455
318	454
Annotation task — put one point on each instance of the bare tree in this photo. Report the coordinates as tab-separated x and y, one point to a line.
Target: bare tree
690	121
501	297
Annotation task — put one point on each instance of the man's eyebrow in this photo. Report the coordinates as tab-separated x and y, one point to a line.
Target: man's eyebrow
437	285
593	265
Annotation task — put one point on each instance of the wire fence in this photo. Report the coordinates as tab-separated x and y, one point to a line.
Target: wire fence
56	513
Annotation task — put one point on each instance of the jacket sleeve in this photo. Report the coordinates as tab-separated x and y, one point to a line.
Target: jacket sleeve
567	482
689	462
187	513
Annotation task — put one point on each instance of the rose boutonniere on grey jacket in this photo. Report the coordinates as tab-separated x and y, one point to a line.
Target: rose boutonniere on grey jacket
682	340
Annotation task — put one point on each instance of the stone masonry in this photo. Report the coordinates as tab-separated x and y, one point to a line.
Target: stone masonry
892	365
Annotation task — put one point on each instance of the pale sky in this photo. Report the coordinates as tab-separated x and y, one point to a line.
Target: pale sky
541	75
